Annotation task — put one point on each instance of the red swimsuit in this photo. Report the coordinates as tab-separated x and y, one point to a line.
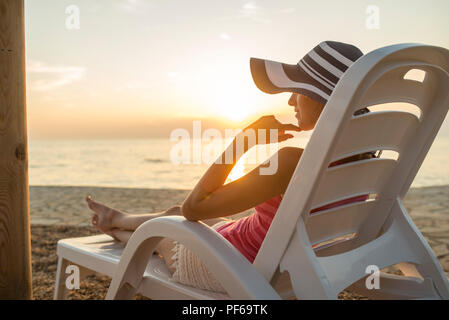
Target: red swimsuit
247	234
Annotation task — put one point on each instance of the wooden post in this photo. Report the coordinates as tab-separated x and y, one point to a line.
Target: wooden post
15	253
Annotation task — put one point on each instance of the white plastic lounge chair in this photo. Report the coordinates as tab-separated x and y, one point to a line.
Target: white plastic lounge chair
326	252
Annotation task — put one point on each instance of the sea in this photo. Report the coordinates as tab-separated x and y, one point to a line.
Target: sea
165	164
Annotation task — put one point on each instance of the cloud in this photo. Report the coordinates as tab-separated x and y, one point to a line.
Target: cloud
250	6
51	77
288	10
252	11
225	36
134	6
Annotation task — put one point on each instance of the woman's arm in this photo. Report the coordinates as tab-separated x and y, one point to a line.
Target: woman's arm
211	198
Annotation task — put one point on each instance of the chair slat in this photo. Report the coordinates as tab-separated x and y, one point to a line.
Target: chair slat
404	90
385	130
353	179
392	87
338	221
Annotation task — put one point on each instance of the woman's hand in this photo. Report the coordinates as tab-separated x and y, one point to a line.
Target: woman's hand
268	123
212	198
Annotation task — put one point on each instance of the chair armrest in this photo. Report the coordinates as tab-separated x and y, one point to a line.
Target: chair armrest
235	273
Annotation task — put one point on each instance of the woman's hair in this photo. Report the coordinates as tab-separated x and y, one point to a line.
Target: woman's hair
358	157
361	111
365	155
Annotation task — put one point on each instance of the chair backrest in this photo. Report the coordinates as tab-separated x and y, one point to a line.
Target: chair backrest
376	78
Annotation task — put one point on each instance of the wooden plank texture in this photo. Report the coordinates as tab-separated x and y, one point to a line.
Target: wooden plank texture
15	255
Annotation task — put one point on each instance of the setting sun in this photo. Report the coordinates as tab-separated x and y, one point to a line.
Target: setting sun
236	105
228	90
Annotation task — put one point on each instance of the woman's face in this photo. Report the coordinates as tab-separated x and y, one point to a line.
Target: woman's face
307	110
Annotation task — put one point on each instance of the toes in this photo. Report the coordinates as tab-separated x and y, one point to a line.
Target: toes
90	202
95	206
95	220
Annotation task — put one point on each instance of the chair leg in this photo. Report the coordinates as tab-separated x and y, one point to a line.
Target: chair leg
432	269
126	292
60	286
428	266
394	287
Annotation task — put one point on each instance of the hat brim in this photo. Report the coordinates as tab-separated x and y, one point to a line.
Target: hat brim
275	77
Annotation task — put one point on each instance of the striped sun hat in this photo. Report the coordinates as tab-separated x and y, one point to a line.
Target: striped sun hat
315	75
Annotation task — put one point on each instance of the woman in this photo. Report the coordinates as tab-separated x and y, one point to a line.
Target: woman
311	82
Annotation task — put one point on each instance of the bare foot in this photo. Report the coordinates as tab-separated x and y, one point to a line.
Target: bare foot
104	216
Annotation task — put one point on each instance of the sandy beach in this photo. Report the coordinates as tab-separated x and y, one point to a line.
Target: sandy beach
61	212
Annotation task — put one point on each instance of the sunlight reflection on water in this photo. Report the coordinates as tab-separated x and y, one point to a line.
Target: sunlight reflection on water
146	163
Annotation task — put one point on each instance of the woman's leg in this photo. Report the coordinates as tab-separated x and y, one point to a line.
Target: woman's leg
106	219
124	235
165	247
121	225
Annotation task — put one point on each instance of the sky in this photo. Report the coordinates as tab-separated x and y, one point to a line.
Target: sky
141	68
